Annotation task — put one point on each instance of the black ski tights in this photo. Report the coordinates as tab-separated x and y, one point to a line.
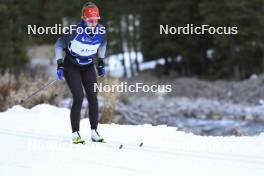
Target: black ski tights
78	77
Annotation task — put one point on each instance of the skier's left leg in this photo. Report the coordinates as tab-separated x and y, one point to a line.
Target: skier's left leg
88	80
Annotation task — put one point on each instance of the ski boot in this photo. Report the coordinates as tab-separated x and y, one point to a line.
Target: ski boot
76	138
96	137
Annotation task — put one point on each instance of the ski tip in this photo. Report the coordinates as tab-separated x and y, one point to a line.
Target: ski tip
121	146
141	144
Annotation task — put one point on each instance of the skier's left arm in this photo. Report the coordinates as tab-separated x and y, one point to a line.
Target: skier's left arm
101	56
102	49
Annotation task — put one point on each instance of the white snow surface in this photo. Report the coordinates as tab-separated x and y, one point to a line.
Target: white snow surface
37	141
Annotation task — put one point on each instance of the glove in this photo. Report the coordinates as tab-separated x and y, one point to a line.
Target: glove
60	74
101	71
60	69
100	68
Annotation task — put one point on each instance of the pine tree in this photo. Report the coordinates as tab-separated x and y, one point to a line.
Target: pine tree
235	56
12	53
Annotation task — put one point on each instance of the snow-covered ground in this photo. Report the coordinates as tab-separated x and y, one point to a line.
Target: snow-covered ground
37	142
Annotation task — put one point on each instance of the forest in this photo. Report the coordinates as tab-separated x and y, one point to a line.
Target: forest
134	26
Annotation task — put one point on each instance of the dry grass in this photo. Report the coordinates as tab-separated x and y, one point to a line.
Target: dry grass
109	101
15	89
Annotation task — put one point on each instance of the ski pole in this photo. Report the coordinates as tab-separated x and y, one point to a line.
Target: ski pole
37	91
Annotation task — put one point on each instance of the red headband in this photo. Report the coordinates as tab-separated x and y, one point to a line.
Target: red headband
89	12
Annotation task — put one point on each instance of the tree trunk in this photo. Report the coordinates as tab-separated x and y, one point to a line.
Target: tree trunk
167	66
262	49
237	72
122	47
135	40
129	45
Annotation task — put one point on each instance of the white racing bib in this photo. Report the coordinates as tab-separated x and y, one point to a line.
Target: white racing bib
83	46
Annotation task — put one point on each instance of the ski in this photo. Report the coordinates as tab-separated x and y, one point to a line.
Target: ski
139	145
119	145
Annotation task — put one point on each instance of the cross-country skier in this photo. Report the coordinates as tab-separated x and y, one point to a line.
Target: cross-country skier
81	47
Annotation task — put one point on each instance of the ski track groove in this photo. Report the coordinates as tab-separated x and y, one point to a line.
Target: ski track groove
135	147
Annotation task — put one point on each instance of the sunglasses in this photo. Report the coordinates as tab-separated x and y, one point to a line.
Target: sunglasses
90	20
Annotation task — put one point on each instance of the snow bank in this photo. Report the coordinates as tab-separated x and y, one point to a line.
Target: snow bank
37	142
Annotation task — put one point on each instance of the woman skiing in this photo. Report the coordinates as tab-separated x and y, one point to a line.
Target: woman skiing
81	47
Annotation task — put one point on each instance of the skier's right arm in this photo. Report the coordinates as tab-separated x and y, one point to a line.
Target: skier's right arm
59	46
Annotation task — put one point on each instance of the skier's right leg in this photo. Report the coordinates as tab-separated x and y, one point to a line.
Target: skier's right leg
73	79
